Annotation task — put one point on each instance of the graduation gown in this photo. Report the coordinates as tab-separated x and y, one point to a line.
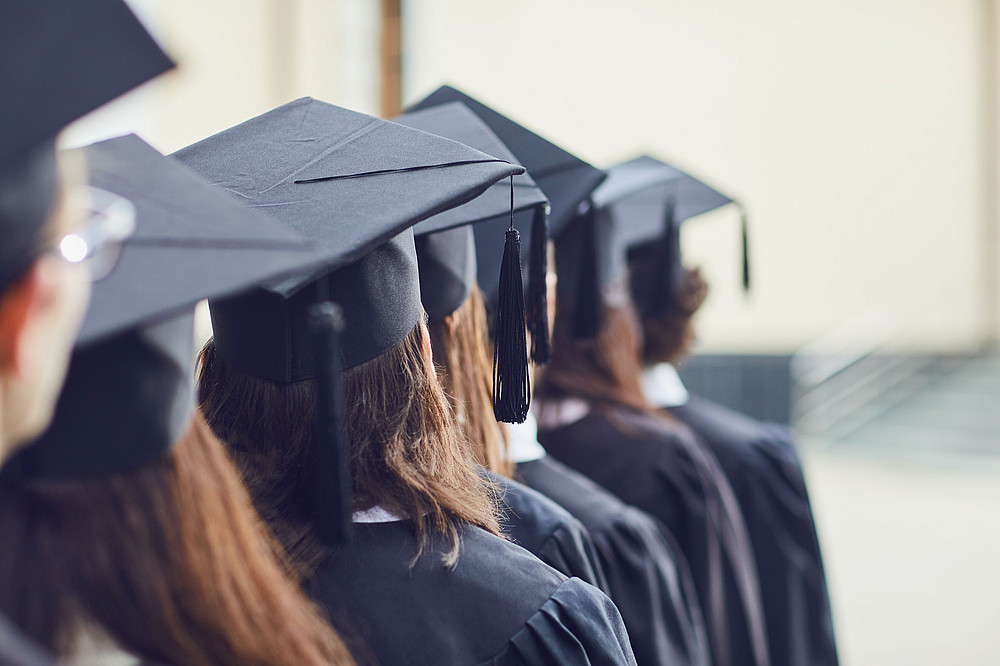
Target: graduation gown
648	576
761	463
499	605
660	467
548	531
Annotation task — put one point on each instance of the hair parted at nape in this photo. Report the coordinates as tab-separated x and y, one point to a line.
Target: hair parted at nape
667	319
604	371
462	350
169	560
407	453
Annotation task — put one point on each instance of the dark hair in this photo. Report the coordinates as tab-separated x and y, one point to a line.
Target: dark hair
668	331
170	560
461	348
407	454
604	370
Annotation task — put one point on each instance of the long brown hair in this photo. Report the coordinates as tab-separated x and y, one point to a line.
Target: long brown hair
170	560
461	343
406	451
603	371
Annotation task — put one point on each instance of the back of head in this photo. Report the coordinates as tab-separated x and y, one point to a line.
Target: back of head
128	553
460	341
406	452
603	370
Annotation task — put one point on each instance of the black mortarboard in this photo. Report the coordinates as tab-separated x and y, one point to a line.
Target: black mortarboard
648	200
355	184
639	208
447	258
59	59
128	392
565	179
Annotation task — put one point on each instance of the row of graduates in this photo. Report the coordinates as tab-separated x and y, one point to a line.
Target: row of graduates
399	522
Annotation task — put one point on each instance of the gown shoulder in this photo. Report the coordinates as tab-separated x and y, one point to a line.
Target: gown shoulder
648	575
394	609
548	531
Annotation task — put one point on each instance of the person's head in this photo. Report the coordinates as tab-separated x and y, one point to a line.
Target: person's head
461	348
42	295
406	451
168	559
667	319
603	370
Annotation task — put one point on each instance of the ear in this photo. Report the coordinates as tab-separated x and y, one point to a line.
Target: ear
18	306
451	322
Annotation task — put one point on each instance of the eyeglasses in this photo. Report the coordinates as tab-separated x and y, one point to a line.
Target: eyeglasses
98	243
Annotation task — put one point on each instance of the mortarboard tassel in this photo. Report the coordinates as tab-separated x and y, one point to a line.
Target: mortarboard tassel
746	249
669	261
326	322
586	316
537	301
511	387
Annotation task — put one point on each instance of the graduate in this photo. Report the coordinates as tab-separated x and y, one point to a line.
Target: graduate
760	460
648	577
128	536
593	417
425	579
61	60
456	319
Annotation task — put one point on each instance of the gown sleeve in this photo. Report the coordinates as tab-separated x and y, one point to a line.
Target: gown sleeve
549	532
764	469
578	625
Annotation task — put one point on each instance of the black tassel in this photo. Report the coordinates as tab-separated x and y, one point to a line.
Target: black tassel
746	250
538	301
333	490
587	314
669	264
511	386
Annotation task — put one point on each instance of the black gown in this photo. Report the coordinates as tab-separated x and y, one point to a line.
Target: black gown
499	605
648	576
763	466
16	649
660	467
548	531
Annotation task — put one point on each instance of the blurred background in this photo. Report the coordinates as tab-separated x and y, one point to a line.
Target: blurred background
863	137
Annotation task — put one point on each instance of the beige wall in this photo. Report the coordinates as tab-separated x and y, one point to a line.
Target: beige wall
852	129
239	58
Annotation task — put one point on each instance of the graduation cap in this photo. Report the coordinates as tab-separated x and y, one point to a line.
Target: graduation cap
128	394
446	256
565	179
637	211
355	185
59	59
648	200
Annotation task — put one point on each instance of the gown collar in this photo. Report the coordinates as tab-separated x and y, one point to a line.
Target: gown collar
663	387
522	441
376	514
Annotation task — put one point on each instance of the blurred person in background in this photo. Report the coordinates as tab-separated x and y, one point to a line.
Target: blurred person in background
127	534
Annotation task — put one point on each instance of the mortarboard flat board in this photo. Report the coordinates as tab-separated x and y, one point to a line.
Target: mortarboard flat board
447	258
60	59
128	393
647	201
493	207
355	185
565	179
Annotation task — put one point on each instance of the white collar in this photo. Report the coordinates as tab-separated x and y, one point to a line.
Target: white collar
662	386
522	441
376	514
562	412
